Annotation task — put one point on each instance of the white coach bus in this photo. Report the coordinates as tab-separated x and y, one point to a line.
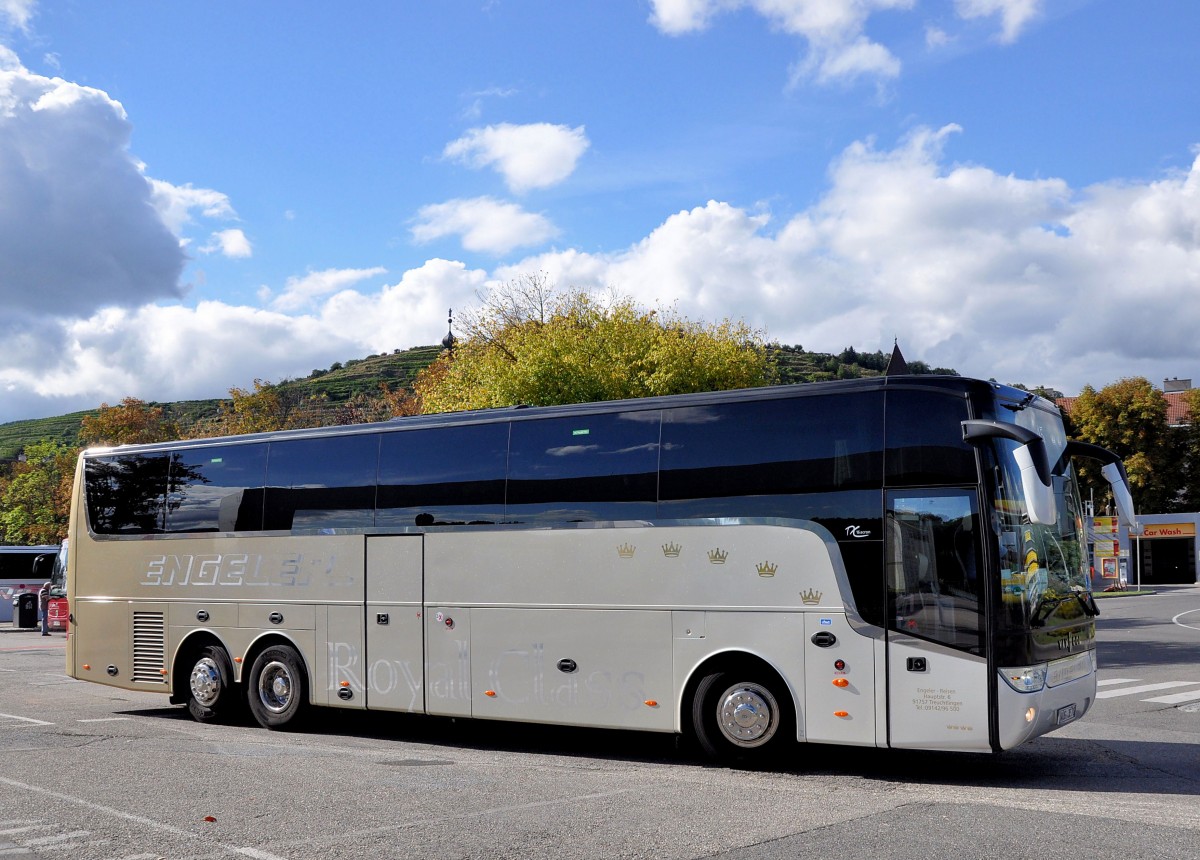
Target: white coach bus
891	562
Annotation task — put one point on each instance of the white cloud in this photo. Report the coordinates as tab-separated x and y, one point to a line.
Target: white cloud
838	51
302	292
1014	14
81	225
1024	280
176	352
833	30
176	204
483	224
17	13
936	37
536	155
77	228
230	243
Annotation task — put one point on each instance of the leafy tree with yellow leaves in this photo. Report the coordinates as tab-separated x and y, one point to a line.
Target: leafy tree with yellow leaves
531	344
132	422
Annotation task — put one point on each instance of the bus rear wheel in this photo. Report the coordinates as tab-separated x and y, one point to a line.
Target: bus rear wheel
210	685
740	715
277	687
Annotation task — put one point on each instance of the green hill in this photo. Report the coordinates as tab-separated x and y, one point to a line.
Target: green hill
365	376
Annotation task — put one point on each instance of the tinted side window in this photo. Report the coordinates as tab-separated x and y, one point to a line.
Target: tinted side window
444	476
326	482
585	468
217	489
817	457
924	440
126	492
933	571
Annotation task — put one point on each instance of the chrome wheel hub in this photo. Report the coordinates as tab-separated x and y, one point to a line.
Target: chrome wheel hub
205	682
275	687
748	715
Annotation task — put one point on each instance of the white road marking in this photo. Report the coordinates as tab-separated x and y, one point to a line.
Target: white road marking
58	837
1175	698
103	720
1108	682
256	853
1144	688
25	720
1176	620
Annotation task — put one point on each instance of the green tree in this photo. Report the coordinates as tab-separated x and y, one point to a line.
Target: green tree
1129	417
35	501
531	344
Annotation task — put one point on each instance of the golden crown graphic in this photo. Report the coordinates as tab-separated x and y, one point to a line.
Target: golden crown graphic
766	569
811	596
672	550
626	550
717	556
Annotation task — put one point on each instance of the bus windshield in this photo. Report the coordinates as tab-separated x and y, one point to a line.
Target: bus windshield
1042	566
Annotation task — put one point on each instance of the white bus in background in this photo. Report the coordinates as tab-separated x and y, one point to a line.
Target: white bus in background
23	570
890	562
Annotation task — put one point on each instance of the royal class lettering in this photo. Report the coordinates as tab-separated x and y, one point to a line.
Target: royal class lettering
242	569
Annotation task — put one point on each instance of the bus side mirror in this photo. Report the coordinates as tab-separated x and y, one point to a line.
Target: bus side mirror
1122	498
1032	463
1039	495
1113	471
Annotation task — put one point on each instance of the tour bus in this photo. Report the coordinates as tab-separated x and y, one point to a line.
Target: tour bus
889	562
23	570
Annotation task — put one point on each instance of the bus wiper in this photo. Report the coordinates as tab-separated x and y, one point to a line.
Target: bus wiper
1087	602
1045	608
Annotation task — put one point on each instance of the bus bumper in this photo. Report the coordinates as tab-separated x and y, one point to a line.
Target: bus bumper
1069	693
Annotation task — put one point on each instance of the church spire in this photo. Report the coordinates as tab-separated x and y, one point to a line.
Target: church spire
897	366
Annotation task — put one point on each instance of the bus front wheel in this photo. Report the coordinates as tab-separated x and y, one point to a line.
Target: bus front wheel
740	715
210	685
276	690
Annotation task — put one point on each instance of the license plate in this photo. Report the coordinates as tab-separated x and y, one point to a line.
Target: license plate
1064	715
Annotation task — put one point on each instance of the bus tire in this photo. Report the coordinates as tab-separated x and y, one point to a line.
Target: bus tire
277	689
741	715
211	695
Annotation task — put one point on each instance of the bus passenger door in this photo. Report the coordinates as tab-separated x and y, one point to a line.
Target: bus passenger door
936	660
393	669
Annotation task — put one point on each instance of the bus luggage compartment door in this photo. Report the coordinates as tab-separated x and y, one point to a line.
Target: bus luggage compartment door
393	671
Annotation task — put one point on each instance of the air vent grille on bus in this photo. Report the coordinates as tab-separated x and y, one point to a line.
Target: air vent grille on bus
149	647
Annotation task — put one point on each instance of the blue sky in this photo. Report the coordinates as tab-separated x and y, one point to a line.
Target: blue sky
193	196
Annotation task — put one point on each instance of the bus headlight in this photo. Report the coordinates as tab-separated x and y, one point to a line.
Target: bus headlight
1025	679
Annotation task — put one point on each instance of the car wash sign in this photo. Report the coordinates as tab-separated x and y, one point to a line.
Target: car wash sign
1169	530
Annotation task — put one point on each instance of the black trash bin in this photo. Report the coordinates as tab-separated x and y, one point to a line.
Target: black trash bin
25	610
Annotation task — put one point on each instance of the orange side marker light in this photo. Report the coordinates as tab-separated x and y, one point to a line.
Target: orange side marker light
841	682
491	693
651	703
841	713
